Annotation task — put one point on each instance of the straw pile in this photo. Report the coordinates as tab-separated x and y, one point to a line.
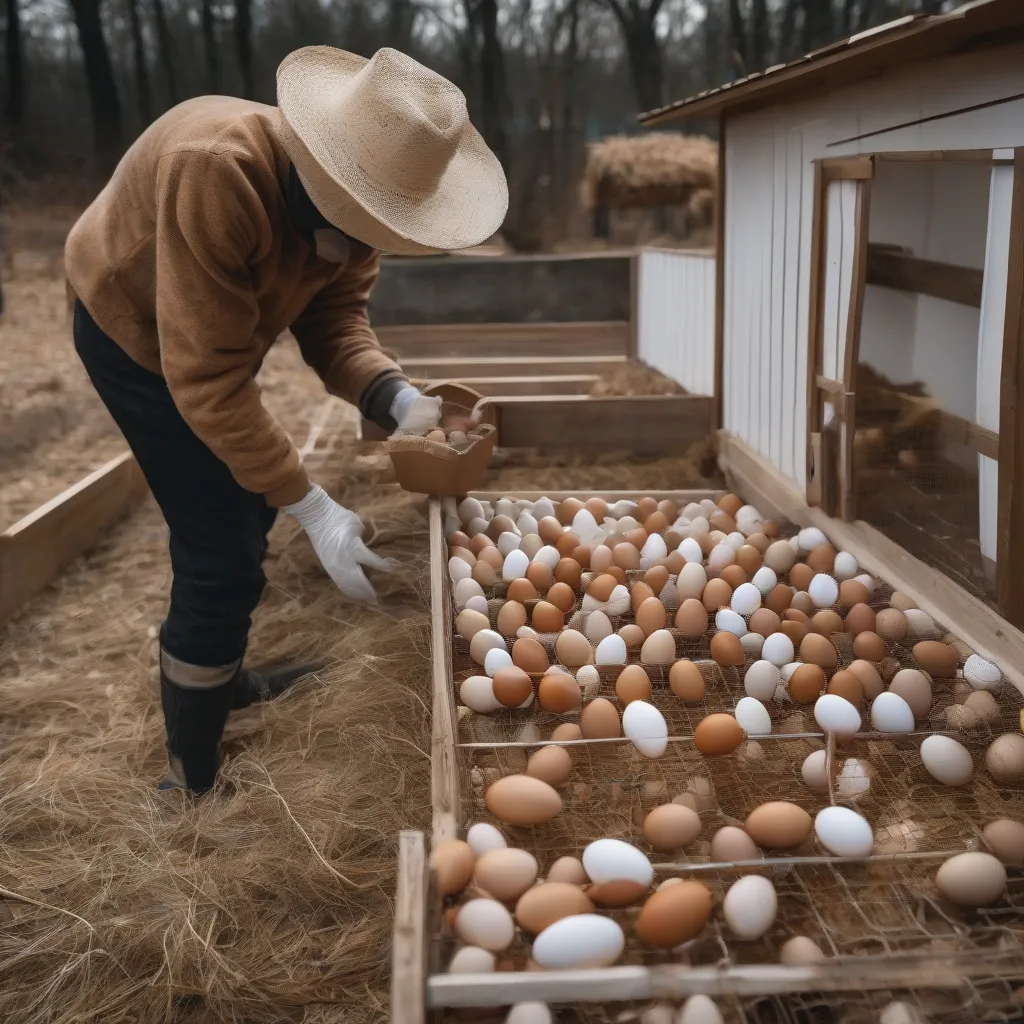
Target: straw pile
635	378
657	169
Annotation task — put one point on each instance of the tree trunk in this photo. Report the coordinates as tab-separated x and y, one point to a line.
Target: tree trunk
209	25
646	68
243	46
103	98
15	108
787	32
818	29
139	60
865	15
492	81
570	63
400	21
163	37
759	39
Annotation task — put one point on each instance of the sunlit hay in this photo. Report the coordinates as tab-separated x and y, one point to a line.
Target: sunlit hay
635	378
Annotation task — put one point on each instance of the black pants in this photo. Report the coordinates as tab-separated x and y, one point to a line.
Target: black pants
218	529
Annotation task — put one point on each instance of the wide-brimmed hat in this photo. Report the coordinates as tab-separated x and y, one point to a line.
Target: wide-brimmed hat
386	151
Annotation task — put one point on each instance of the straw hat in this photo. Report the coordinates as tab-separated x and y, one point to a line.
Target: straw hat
385	149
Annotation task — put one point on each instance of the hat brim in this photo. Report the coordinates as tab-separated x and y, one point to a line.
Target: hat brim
467	206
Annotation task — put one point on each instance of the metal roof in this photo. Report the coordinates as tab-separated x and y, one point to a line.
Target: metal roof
907	39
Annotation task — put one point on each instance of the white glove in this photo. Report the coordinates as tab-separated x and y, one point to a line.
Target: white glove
415	413
337	538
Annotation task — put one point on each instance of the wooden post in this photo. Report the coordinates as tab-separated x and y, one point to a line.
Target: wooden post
409	947
720	215
817	285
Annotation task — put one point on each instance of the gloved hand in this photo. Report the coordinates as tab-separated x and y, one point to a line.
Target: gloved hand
337	538
415	413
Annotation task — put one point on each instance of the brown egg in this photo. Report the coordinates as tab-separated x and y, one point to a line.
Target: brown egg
492	556
522	800
632	635
692	619
618	574
780	557
601	558
675	562
860	619
645	507
748	558
936	658
915	688
656	522
598	508
511	686
671	827
779	598
730	503
499	525
485	574
464	554
759	542
651	616
717	594
540	575
511	616
452	863
568	571
633	684
706	542
778	825
686	681
722	521
796	615
869	647
522	590
600	720
602	587
567	510
581	556
552	765
771	529
731	844
795	630
765	622
733	575
563	597
826	623
567	731
567	543
656	578
529	655
573	649
822	559
674	915
667	507
638	538
626	556
888	668
616	894
559	693
457	540
806	684
847	684
727	650
718	734
891	624
549	902
639	593
480	543
802	603
547	618
869	678
853	592
818	650
549	529
800	576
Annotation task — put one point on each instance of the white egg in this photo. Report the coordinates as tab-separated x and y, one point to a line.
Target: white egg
778	649
548	556
844	833
761	680
920	623
814	773
824	591
470	509
465	589
526	524
836	714
529	1013
527	631
543	508
691	582
721	556
728	621
810	538
692	510
765	580
611	651
653	550
515	565
699	526
750	906
582	940
623	507
584	525
891	713
644	725
746	599
507	507
478	603
752	716
483	838
868	581
627	523
736	540
899	1012
597	627
485	923
982	674
752	644
947	761
459	569
472	960
854	780
590	681
789	668
477	693
496	659
612	860
484	641
845	567
618	602
691	550
699	1009
508	542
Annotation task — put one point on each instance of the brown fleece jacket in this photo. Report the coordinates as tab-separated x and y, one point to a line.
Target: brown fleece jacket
188	260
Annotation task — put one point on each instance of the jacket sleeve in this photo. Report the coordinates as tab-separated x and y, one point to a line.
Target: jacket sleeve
211	225
335	336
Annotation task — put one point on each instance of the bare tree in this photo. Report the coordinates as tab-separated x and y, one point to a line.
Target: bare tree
208	21
143	97
163	38
482	18
243	46
13	49
99	72
638	24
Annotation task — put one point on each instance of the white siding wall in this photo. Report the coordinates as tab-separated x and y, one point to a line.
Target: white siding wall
676	317
769	207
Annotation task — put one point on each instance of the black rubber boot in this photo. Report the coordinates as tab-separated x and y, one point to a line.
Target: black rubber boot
253	686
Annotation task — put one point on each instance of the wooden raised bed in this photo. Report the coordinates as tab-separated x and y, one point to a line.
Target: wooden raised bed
886	931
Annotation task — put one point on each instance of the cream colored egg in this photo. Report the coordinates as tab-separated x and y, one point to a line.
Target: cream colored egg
800	951
485	923
472	960
750	907
972	879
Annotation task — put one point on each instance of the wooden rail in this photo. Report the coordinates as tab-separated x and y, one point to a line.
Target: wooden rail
446	367
904	272
559	384
528	339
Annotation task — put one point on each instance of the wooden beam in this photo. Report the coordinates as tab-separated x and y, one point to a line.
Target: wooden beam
681	498
561	384
971	435
819	218
1010	535
447	367
907	273
410	941
528	339
34	550
832	387
951	606
848	168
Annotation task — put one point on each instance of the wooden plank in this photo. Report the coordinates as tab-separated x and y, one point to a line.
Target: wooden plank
720	214
950	605
681	498
528	339
633	341
972	156
447	367
34	550
830	386
971	435
561	384
1010	538
410	941
848	168
444	769
907	273
815	324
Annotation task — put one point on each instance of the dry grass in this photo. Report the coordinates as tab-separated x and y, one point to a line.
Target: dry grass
635	378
